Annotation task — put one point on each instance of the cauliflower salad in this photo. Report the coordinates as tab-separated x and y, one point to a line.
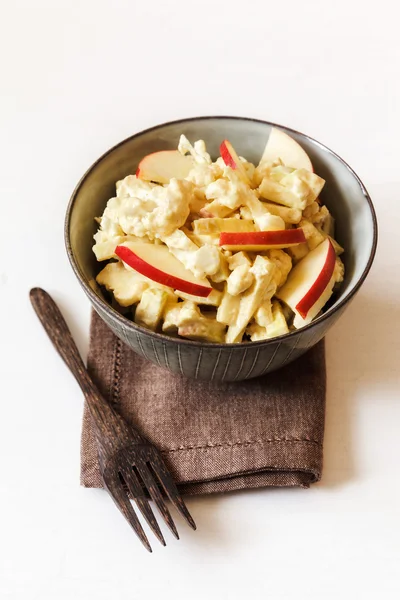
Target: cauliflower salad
220	251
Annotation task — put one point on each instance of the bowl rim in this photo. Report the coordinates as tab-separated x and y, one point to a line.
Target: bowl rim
124	322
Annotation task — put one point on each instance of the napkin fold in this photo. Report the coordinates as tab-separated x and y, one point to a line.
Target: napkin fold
214	437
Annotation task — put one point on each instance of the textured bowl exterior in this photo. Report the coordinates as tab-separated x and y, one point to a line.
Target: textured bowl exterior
344	194
233	363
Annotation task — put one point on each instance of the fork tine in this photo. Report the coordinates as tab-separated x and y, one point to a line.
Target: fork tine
156	496
170	488
136	491
120	498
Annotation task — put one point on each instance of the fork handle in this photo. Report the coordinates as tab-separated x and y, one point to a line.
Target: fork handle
109	424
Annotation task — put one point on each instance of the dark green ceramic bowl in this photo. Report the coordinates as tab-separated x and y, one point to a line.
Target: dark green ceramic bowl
344	194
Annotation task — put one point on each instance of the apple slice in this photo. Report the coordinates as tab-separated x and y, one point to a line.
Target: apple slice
216	209
281	145
261	240
309	285
158	264
216	225
231	159
162	166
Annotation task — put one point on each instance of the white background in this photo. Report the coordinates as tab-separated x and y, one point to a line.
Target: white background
76	78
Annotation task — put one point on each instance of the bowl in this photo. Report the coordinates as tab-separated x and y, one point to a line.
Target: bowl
344	194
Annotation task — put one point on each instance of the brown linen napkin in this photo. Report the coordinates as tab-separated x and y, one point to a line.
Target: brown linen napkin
214	437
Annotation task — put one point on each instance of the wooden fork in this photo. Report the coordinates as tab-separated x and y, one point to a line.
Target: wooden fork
127	460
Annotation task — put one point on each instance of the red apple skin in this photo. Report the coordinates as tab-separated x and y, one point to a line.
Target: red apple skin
319	285
231	159
144	268
260	238
226	155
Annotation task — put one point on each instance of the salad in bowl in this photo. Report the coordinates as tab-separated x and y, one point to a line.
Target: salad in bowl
220	250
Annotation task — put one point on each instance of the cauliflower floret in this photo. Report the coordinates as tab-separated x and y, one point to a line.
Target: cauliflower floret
109	226
160	212
203	175
223	272
295	188
173	209
131	214
337	247
338	270
322	225
277	326
270	222
263	315
198	151
283	264
311	211
170	316
264	169
226	192
259	212
239	280
178	240
127	286
291	216
237	259
105	245
325	220
101	237
134	187
263	271
206	330
207	260
256	332
197	203
298	252
106	250
193	325
245	213
313	236
202	261
150	309
302	179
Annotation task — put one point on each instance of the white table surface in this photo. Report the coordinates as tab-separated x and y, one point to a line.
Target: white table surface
77	77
